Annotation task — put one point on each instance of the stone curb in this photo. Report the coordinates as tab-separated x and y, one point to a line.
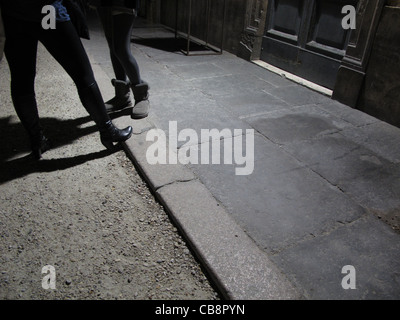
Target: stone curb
240	269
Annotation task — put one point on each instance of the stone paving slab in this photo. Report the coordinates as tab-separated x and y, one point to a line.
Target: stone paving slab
191	108
296	124
282	202
240	269
298	95
353	116
156	175
257	103
307	209
367	244
382	138
230	84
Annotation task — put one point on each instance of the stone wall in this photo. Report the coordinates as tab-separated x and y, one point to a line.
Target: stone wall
209	30
253	29
380	93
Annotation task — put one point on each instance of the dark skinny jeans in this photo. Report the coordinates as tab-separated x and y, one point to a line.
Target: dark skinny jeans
118	30
64	44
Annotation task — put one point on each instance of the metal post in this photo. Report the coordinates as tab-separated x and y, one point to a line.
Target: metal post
189	36
189	27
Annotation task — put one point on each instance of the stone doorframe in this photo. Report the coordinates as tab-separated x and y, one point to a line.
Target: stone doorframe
352	70
254	25
354	65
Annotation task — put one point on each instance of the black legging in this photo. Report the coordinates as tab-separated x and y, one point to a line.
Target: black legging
118	30
65	46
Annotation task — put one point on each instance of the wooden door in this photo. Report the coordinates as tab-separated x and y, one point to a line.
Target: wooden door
306	38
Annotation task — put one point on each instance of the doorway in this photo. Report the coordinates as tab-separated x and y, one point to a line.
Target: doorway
306	38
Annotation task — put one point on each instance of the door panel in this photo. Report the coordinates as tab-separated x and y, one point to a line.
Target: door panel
287	17
284	20
305	37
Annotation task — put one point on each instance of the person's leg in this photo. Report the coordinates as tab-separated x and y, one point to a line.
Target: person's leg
122	97
121	46
122	30
20	51
106	19
65	46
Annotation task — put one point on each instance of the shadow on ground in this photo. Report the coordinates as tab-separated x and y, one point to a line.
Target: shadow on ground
16	160
171	44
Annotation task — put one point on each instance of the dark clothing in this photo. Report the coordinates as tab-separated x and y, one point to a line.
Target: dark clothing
2	37
118	30
132	4
64	44
61	12
30	10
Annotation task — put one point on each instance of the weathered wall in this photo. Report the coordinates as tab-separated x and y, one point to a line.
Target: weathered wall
380	93
150	10
253	29
233	27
